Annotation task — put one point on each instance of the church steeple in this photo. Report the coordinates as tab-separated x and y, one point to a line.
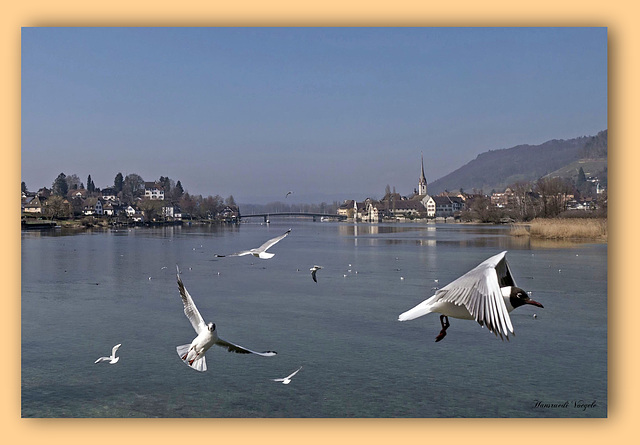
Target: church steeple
422	182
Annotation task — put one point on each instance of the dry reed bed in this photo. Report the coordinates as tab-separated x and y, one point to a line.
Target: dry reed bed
563	228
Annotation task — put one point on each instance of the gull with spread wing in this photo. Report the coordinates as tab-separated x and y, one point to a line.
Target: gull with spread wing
111	359
260	252
286	380
486	294
193	354
313	270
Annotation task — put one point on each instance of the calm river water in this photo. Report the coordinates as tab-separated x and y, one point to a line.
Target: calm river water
82	293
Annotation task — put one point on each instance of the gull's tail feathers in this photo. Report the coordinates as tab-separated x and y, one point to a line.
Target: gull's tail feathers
198	365
421	309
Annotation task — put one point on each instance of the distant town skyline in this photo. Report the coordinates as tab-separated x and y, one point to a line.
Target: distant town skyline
328	113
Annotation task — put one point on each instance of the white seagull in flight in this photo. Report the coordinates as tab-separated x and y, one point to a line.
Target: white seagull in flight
287	379
193	354
313	270
260	252
112	359
486	294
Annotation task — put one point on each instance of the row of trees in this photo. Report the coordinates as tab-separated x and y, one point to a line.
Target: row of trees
127	188
130	189
199	207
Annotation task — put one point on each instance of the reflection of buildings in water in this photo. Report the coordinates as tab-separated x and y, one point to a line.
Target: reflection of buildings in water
359	229
355	235
427	242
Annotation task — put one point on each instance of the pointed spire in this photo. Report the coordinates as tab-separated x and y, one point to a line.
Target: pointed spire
422	182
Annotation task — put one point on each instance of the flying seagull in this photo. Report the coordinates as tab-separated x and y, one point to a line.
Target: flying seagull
287	379
313	270
193	354
486	294
112	359
288	193
260	252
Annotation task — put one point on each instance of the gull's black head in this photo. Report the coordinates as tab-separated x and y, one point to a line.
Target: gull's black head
211	326
518	297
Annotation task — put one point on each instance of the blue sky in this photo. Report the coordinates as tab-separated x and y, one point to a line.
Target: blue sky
329	113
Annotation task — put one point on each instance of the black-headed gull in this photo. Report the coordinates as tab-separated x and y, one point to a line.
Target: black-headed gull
286	380
260	252
487	294
193	354
313	270
112	358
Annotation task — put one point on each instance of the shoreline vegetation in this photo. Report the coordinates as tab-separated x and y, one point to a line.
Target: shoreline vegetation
562	229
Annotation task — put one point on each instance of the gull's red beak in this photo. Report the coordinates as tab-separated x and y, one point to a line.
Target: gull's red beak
533	302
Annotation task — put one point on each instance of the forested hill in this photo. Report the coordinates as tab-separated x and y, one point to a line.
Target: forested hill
498	169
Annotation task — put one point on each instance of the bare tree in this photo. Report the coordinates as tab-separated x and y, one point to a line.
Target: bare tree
188	204
57	207
73	182
132	187
553	195
523	204
152	209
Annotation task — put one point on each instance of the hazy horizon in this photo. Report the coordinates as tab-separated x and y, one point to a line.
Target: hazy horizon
328	113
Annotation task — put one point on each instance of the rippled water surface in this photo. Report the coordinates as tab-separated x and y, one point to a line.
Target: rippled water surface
83	293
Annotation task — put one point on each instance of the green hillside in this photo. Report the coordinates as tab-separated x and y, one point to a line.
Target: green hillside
498	169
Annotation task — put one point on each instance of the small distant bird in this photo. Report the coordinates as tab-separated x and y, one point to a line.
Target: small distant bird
193	354
313	270
112	359
288	193
535	315
287	379
486	294
260	252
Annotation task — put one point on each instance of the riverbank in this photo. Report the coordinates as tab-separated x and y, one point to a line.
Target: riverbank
563	228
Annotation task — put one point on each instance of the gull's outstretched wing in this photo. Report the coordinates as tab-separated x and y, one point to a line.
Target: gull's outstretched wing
272	241
190	309
115	348
479	291
294	373
505	278
231	347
